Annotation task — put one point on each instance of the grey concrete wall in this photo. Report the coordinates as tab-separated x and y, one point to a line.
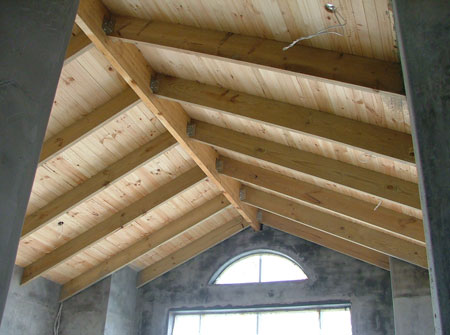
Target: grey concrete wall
30	309
33	39
413	314
423	30
85	313
106	308
332	277
121	318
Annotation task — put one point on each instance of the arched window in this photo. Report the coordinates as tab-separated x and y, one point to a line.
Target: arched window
259	267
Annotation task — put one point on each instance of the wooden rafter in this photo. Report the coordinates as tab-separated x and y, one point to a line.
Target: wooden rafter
88	124
329	66
129	62
338	226
117	221
326	240
191	250
97	183
78	45
364	180
150	242
318	197
362	136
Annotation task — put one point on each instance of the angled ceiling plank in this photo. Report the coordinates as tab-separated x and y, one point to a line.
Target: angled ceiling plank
78	45
97	183
113	223
362	136
325	65
193	249
338	226
368	181
326	240
129	62
319	197
88	124
150	242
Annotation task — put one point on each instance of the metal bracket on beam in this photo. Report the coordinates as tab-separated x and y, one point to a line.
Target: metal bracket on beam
242	194
154	84
108	24
219	165
190	130
259	216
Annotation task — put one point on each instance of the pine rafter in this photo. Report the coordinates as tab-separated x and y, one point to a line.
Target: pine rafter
321	198
338	226
113	223
131	65
78	45
193	249
360	179
150	242
97	183
362	136
324	65
326	240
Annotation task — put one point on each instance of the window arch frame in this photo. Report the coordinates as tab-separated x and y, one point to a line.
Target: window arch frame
229	262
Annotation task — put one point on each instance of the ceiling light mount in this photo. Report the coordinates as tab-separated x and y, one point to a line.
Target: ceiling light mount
330	7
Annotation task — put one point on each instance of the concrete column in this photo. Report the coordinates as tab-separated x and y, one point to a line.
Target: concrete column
106	308
33	37
423	29
411	297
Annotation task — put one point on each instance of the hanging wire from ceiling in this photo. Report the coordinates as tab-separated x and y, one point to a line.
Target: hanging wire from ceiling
341	24
57	320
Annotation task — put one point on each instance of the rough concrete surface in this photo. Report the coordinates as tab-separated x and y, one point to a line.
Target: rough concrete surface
411	299
30	309
333	277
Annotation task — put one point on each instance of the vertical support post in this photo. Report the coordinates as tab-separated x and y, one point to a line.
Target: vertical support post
423	29
34	35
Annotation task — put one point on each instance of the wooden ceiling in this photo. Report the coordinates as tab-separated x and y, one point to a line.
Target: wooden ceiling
187	123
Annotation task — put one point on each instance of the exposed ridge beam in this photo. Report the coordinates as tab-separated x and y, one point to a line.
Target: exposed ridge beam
364	180
97	183
191	250
150	242
326	240
325	65
319	197
338	226
78	45
88	124
359	135
131	65
115	222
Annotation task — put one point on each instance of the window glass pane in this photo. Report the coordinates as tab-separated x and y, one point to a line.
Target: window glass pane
229	324
186	325
244	270
336	322
276	268
289	323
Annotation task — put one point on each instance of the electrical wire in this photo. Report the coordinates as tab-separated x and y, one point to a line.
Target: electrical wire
340	24
57	320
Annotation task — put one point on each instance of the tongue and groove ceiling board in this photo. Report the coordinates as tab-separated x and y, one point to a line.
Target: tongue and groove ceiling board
95	149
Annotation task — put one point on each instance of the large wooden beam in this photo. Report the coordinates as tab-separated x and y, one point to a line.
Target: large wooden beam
191	250
338	226
88	124
325	65
326	240
115	222
390	221
78	45
131	65
150	242
359	135
97	183
368	181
